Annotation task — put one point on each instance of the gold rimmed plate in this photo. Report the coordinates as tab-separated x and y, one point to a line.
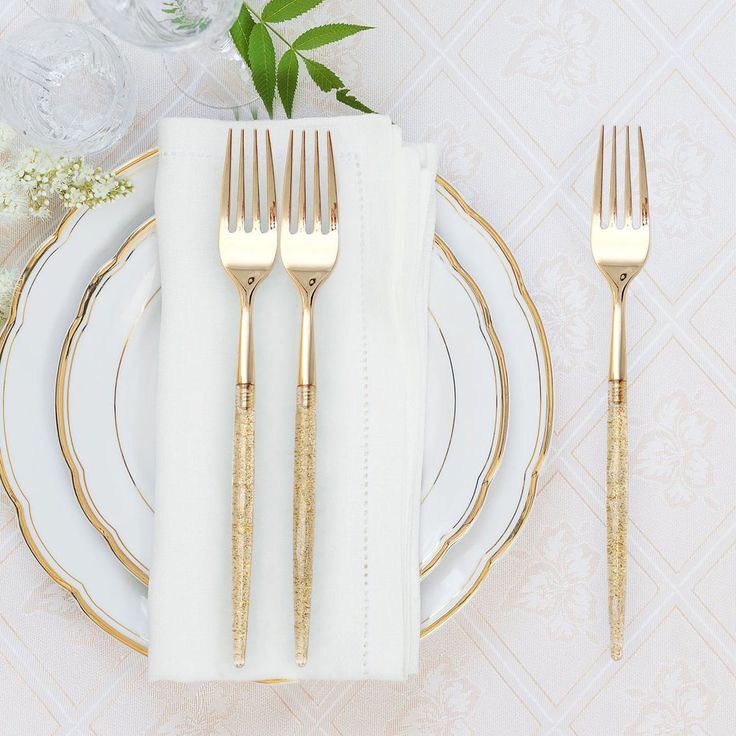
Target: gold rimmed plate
53	523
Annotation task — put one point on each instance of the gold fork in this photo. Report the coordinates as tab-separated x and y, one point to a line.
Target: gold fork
620	253
308	257
248	256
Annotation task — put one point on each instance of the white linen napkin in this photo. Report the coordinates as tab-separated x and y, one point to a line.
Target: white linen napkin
371	323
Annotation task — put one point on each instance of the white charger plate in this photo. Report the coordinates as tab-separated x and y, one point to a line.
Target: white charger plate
106	397
34	473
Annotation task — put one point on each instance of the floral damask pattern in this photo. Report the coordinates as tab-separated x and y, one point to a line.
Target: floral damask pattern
50	599
565	296
440	704
677	705
679	170
201	710
674	453
556	50
555	583
460	156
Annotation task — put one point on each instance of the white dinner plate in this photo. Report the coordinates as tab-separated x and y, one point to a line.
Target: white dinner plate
489	261
37	478
106	398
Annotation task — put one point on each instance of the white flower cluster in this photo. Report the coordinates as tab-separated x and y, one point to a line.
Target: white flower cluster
32	180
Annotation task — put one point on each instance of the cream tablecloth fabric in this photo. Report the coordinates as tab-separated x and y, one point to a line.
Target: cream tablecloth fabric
513	93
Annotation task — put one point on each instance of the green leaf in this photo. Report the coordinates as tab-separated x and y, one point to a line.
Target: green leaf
277	11
329	33
287	77
262	58
240	32
323	77
344	96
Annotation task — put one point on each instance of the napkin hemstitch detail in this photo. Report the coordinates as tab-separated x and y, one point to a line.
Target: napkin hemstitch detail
366	409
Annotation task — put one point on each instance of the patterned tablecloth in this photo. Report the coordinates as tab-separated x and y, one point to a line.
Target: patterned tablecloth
513	93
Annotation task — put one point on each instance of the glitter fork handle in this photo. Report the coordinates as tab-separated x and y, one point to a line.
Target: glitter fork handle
242	514
617	488
303	541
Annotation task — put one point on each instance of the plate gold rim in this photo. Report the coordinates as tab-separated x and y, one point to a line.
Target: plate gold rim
76	593
497	454
549	385
84	498
23	521
108	531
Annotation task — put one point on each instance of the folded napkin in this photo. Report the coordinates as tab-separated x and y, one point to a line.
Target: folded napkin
371	323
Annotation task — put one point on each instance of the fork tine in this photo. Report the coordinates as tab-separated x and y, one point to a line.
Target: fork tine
270	184
598	183
301	210
225	191
317	221
256	186
627	182
613	195
240	212
288	172
643	188
331	185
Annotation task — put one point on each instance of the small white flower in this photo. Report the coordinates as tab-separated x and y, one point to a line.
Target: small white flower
31	183
12	197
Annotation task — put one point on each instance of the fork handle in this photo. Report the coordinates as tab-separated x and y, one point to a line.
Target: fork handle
242	514
617	488
303	538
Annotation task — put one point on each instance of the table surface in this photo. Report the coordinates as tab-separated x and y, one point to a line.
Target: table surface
513	93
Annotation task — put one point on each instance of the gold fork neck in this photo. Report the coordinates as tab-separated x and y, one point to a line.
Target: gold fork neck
307	371
617	370
246	363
